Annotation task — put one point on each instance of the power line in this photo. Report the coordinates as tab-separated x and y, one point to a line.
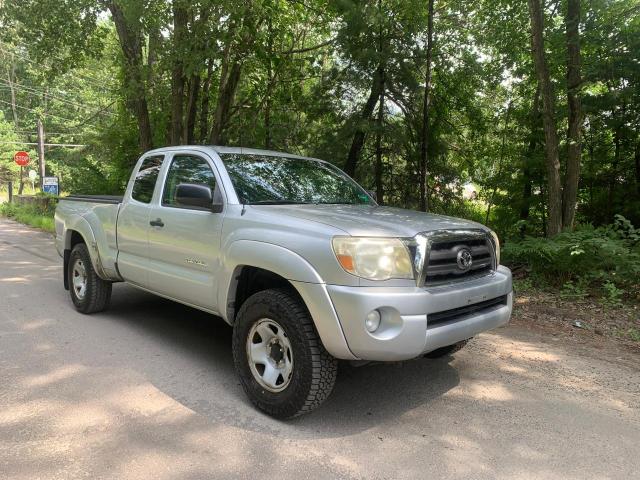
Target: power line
37	92
42	113
80	123
99	86
22	132
71	145
90	117
92	81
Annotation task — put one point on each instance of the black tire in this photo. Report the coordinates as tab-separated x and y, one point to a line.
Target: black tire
314	369
98	291
448	350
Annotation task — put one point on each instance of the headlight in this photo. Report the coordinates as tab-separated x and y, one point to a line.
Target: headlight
496	242
373	258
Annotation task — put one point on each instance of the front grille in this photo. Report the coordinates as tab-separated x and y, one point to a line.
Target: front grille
449	316
442	265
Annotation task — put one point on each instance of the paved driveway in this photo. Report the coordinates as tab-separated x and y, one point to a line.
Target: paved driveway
147	390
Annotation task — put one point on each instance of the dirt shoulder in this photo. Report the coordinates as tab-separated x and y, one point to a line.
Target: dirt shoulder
583	321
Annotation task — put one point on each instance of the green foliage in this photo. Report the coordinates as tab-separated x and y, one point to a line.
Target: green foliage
306	70
634	334
522	285
33	215
575	290
612	295
604	260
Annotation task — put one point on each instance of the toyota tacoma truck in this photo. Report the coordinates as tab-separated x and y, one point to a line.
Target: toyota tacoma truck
292	253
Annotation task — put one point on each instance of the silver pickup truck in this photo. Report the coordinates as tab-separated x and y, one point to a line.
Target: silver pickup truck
292	253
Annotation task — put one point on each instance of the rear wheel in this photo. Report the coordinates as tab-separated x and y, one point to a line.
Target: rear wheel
89	292
282	364
448	350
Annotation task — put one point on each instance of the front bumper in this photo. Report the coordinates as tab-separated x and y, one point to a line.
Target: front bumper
405	332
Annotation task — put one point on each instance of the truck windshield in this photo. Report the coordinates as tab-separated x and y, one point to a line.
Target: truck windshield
268	180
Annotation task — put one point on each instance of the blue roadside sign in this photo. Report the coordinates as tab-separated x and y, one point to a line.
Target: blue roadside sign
50	185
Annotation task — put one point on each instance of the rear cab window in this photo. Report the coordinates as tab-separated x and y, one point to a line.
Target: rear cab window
145	181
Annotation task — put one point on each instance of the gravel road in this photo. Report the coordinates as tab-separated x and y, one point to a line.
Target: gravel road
147	390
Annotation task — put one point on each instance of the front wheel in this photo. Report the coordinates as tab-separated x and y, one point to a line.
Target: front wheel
282	364
89	292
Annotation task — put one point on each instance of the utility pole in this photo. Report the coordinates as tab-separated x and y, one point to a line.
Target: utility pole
41	151
11	77
21	187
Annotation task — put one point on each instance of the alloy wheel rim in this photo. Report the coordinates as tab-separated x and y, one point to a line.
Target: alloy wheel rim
79	279
270	355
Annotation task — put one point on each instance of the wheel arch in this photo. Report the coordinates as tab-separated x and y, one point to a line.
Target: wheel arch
270	265
79	231
283	268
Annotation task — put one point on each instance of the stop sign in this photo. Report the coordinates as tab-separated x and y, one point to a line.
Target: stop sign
21	158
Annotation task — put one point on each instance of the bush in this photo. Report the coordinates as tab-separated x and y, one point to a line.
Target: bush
604	259
36	215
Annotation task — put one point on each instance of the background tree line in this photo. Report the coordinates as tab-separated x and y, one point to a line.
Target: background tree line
522	115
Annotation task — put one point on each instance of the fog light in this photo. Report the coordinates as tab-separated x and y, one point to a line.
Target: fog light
372	322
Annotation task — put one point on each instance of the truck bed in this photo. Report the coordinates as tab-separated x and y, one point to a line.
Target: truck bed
113	199
95	218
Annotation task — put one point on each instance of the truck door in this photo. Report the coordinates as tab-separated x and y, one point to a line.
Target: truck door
184	243
133	222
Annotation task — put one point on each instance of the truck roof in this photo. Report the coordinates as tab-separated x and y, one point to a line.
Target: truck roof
239	150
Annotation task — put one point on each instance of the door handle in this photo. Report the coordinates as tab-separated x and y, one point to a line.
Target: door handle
156	223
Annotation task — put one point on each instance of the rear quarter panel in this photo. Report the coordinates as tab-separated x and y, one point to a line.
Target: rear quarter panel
96	223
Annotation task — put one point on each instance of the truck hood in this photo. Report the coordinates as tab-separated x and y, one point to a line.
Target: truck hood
370	220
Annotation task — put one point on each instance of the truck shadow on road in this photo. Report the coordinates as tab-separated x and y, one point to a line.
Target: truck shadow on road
198	372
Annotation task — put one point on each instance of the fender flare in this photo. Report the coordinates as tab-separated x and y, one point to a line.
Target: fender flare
80	225
268	256
302	276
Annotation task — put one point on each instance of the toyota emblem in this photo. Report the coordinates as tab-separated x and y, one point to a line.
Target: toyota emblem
464	259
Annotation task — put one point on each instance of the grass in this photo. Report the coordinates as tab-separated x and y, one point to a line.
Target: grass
634	334
29	215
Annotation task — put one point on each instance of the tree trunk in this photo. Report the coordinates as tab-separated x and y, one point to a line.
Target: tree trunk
554	193
267	120
192	109
360	131
204	104
228	84
500	161
130	38
614	172
380	120
543	211
574	140
177	100
378	169
637	159
526	164
11	73
155	46
177	72
270	81
426	111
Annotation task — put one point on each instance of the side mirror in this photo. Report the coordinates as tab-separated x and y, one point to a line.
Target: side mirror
373	194
196	195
